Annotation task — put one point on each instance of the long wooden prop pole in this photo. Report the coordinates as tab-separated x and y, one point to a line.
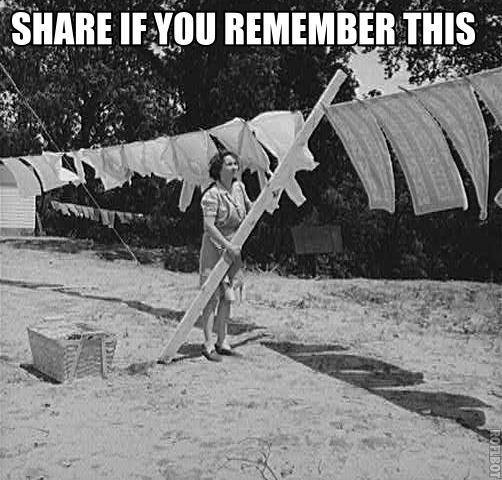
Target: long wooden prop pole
274	188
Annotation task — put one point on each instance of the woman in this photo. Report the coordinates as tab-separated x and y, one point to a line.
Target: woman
224	205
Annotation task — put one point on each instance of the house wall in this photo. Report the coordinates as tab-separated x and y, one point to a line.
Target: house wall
17	214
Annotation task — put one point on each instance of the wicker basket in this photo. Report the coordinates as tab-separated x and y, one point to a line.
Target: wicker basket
64	350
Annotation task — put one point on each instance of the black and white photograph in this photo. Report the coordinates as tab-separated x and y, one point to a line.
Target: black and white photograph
251	240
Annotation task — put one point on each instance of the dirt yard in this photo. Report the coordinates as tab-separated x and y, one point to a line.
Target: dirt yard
340	379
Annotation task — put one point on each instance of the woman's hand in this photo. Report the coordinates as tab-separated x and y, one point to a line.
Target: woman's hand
233	251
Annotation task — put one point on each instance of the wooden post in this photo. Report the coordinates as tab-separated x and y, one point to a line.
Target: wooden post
272	190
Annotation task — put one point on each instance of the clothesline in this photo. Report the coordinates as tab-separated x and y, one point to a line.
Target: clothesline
44	128
184	157
106	217
412	121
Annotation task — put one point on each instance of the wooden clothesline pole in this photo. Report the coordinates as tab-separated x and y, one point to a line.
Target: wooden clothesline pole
282	174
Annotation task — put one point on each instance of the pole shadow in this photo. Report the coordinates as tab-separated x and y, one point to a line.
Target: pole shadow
234	327
387	381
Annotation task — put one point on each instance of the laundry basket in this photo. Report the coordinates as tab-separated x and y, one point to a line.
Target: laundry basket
66	350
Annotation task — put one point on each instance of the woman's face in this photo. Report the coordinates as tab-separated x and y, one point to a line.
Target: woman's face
229	168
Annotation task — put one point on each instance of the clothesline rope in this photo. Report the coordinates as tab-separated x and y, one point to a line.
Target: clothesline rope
49	137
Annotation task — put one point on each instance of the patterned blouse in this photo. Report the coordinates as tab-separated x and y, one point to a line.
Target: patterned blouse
228	207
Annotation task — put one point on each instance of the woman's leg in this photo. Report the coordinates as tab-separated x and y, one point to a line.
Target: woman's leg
208	322
222	317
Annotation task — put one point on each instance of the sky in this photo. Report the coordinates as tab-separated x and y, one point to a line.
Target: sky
370	74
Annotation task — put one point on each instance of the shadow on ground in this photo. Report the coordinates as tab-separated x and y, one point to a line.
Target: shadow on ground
384	379
234	327
30	368
71	245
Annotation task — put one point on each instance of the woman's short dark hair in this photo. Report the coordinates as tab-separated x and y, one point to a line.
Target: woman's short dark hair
216	163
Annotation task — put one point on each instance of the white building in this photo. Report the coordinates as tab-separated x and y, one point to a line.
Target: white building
17	214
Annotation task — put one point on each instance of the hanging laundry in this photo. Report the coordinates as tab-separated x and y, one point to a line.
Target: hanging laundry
455	107
192	152
421	149
134	158
498	198
277	132
27	183
92	157
489	86
115	168
87	212
47	173
61	207
237	137
107	218
365	144
129	217
72	208
77	161
80	211
55	160
159	158
122	217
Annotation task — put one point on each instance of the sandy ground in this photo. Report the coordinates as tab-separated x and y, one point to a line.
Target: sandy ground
340	379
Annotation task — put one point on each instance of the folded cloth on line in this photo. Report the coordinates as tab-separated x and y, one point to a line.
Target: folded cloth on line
421	149
134	157
455	107
60	207
192	152
236	136
46	171
114	166
107	218
87	211
159	158
72	208
366	147
80	211
27	183
94	158
489	86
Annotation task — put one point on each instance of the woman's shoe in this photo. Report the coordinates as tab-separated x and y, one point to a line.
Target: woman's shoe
212	355
226	351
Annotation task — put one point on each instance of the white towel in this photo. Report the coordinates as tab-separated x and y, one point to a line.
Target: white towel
454	106
365	144
422	151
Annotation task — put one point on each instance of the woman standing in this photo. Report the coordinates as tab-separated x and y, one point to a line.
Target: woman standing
224	205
